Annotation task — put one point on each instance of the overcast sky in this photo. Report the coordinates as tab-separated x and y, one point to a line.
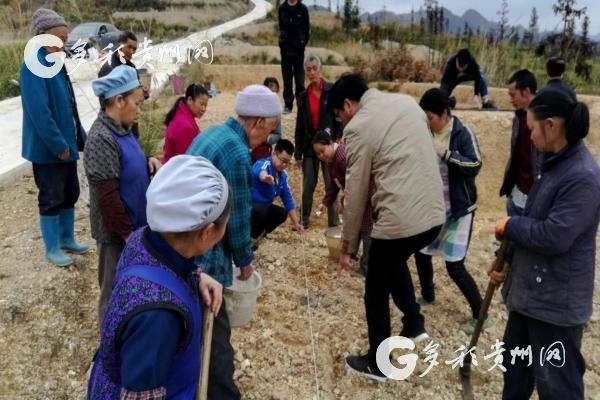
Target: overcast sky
520	10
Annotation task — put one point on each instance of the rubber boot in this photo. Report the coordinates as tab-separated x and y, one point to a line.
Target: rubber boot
49	225
67	227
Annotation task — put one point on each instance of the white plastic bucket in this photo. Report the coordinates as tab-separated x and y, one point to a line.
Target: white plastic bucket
334	242
240	299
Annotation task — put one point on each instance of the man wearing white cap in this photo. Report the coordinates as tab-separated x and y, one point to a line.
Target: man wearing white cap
227	147
152	333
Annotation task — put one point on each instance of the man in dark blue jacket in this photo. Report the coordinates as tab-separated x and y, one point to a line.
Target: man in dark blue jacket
52	139
555	68
294	33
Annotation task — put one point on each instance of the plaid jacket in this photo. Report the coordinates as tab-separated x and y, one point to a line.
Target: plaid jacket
154	394
227	147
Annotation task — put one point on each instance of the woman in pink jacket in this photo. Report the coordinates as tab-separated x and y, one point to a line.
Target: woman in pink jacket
180	121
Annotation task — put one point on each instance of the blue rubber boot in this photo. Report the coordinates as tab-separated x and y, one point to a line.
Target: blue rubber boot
49	226
66	219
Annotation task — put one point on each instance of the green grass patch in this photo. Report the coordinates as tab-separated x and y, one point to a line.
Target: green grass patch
11	57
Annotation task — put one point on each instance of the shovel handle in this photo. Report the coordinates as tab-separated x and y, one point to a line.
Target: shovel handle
501	256
487	300
465	370
207	329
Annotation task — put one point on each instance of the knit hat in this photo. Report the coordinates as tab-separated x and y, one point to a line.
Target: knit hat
185	195
44	19
120	80
257	101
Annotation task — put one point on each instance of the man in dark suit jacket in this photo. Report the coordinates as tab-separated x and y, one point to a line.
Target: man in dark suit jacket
294	33
555	68
128	45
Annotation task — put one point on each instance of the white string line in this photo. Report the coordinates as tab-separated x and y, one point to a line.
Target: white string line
307	284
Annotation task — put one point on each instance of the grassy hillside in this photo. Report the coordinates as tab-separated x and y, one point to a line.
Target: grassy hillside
174	19
377	49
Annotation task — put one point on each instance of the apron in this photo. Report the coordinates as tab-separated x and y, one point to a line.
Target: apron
134	179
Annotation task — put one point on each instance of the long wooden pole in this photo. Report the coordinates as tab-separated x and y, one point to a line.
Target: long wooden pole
465	370
207	330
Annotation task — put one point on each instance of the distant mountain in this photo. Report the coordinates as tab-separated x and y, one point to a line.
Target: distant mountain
316	7
453	22
596	38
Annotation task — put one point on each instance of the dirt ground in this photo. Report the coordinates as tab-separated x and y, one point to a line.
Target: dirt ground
48	328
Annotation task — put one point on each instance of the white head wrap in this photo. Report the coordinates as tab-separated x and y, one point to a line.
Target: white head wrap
187	194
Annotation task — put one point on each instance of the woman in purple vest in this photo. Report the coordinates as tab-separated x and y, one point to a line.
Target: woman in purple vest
152	332
117	170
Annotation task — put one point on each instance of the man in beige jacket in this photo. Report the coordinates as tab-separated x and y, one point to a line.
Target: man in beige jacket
387	140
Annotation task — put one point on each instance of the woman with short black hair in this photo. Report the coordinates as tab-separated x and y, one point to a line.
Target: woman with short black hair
460	161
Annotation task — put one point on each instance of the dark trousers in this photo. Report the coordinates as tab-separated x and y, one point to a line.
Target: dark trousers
108	258
553	382
310	178
220	378
266	219
292	70
481	87
388	274
58	186
457	272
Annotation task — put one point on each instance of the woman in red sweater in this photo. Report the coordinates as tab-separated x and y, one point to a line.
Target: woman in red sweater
333	154
180	121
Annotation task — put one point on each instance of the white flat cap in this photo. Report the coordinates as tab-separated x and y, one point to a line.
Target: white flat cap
257	101
186	194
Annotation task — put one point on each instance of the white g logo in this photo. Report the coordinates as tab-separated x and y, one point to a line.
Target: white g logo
382	357
31	55
204	52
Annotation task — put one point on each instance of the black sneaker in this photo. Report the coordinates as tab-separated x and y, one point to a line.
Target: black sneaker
359	365
489	105
452	102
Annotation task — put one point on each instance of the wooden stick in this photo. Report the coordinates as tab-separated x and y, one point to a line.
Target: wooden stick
465	370
207	330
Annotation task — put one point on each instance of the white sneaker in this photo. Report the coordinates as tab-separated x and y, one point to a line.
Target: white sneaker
419	338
